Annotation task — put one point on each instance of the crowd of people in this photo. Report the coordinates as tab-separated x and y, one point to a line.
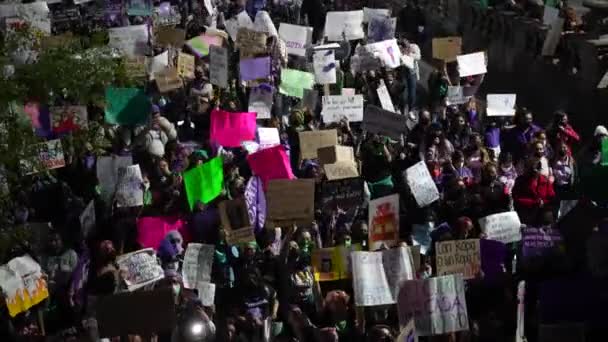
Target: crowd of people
269	288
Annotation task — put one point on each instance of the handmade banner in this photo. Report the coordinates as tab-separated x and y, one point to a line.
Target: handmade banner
297	38
250	42
383	222
472	64
380	121
268	137
200	45
500	104
387	51
261	100
22	284
447	48
312	141
206	293
136	67
126	106
341	170
381	28
198	260
151	230
333	154
291	201
538	241
45	156
205	182
344	194
130	40
456	96
157	63
87	220
185	65
293	82
68	119
141	268
166	36
337	107
168	80
252	69
233	214
458	257
324	65
421	184
344	25
333	263
504	227
230	129
377	275
271	163
218	66
129	190
107	173
385	97
437	304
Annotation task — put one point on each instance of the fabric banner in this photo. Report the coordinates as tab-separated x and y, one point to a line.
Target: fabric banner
252	69
205	182
230	129
380	121
337	107
107	173
293	82
324	64
383	222
151	230
458	257
22	284
297	38
291	201
271	163
261	100
437	304
421	184
126	106
377	275
198	260
504	227
344	25
141	268
130	190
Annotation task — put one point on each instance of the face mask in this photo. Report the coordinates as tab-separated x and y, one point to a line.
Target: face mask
177	289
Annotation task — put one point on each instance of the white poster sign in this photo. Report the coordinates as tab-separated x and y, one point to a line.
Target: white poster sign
504	227
88	219
501	104
324	64
456	96
206	293
141	268
130	191
218	66
472	64
387	51
130	40
383	222
107	173
385	97
157	63
297	38
421	184
260	101
268	136
344	25
335	107
263	23
437	304
198	260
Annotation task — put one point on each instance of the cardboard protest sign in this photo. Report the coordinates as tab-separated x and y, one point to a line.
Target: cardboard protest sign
151	230
107	173
270	163
553	37
344	25
126	106
204	182
240	236
252	69
129	190
45	156
311	141
206	293
139	312
380	121
233	214
185	65
383	222
87	220
297	38
472	64
218	66
324	65
377	275
136	67
268	137
198	260
500	104
68	118
369	13
336	107
447	48
168	80
261	100
157	63
130	40
421	184
458	257
293	82
381	28
437	304
341	170
343	193
22	284
385	98
250	42
230	129
538	241
298	207
504	227
333	154
166	36
201	44
387	51
141	268
333	263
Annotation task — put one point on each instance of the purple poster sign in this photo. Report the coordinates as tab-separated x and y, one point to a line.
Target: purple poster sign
537	241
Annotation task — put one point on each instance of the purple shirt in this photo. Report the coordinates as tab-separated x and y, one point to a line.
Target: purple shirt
492	137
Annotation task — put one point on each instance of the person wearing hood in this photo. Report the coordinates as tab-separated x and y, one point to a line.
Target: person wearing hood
161	131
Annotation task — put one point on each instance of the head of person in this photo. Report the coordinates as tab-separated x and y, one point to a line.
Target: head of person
458	159
464	226
336	303
55	244
424	118
562	149
505	160
459	121
538	149
380	333
541	136
106	252
489	173
560	118
526	119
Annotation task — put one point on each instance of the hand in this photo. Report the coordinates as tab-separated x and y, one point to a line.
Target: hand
540	203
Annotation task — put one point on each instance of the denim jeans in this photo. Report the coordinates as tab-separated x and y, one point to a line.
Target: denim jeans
409	94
